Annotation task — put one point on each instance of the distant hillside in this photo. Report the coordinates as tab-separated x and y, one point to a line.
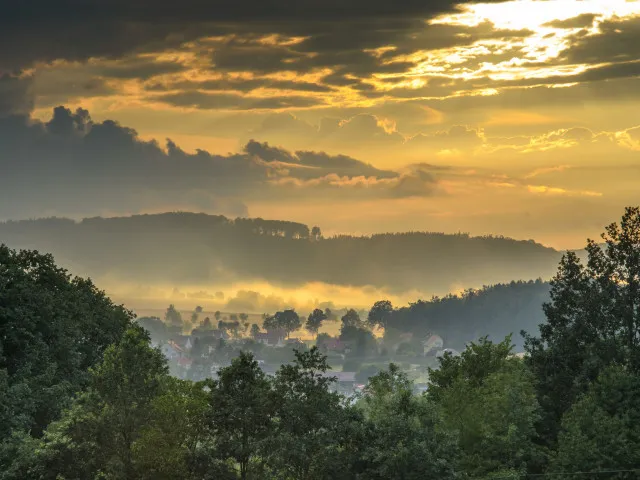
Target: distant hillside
194	248
496	311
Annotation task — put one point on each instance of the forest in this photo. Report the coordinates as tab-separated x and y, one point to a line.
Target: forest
85	395
181	248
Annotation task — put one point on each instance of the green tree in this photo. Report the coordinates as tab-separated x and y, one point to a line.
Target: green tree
351	319
380	314
600	431
97	435
405	438
175	443
53	328
241	412
494	419
206	324
288	320
314	321
593	320
173	316
478	361
307	412
255	330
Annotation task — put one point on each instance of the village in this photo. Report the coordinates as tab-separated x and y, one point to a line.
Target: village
204	351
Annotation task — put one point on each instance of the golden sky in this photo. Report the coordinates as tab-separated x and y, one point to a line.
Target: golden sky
517	118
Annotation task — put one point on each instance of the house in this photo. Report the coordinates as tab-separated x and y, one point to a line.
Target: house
337	345
183	341
272	338
207	334
432	344
171	350
294	342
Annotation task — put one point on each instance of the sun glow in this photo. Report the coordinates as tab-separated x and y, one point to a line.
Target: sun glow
532	14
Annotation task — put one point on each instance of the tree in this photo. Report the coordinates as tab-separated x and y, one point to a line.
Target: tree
175	443
156	328
380	314
314	321
255	330
307	415
330	315
206	324
53	328
287	320
592	320
405	437
194	318
600	431
173	316
198	309
475	364
316	233
241	411
233	317
351	319
488	397
97	435
217	315
244	317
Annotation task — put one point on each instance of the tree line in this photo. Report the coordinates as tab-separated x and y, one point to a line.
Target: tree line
174	248
102	404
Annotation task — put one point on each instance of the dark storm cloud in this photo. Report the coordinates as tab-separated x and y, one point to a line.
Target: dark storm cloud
45	30
141	69
71	165
16	94
581	21
239	85
196	99
618	40
316	164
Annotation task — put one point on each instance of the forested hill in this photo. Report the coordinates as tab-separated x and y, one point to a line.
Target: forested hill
188	247
495	311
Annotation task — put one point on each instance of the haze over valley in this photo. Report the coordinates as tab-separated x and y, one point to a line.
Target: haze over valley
319	239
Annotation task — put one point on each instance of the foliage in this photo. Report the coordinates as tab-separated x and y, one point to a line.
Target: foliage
489	399
241	411
405	437
287	320
593	320
53	328
172	316
314	321
307	415
600	431
380	314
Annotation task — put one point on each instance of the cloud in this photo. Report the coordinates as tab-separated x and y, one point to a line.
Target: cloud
71	165
70	29
16	94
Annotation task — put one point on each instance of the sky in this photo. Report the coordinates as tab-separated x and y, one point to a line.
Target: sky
514	117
